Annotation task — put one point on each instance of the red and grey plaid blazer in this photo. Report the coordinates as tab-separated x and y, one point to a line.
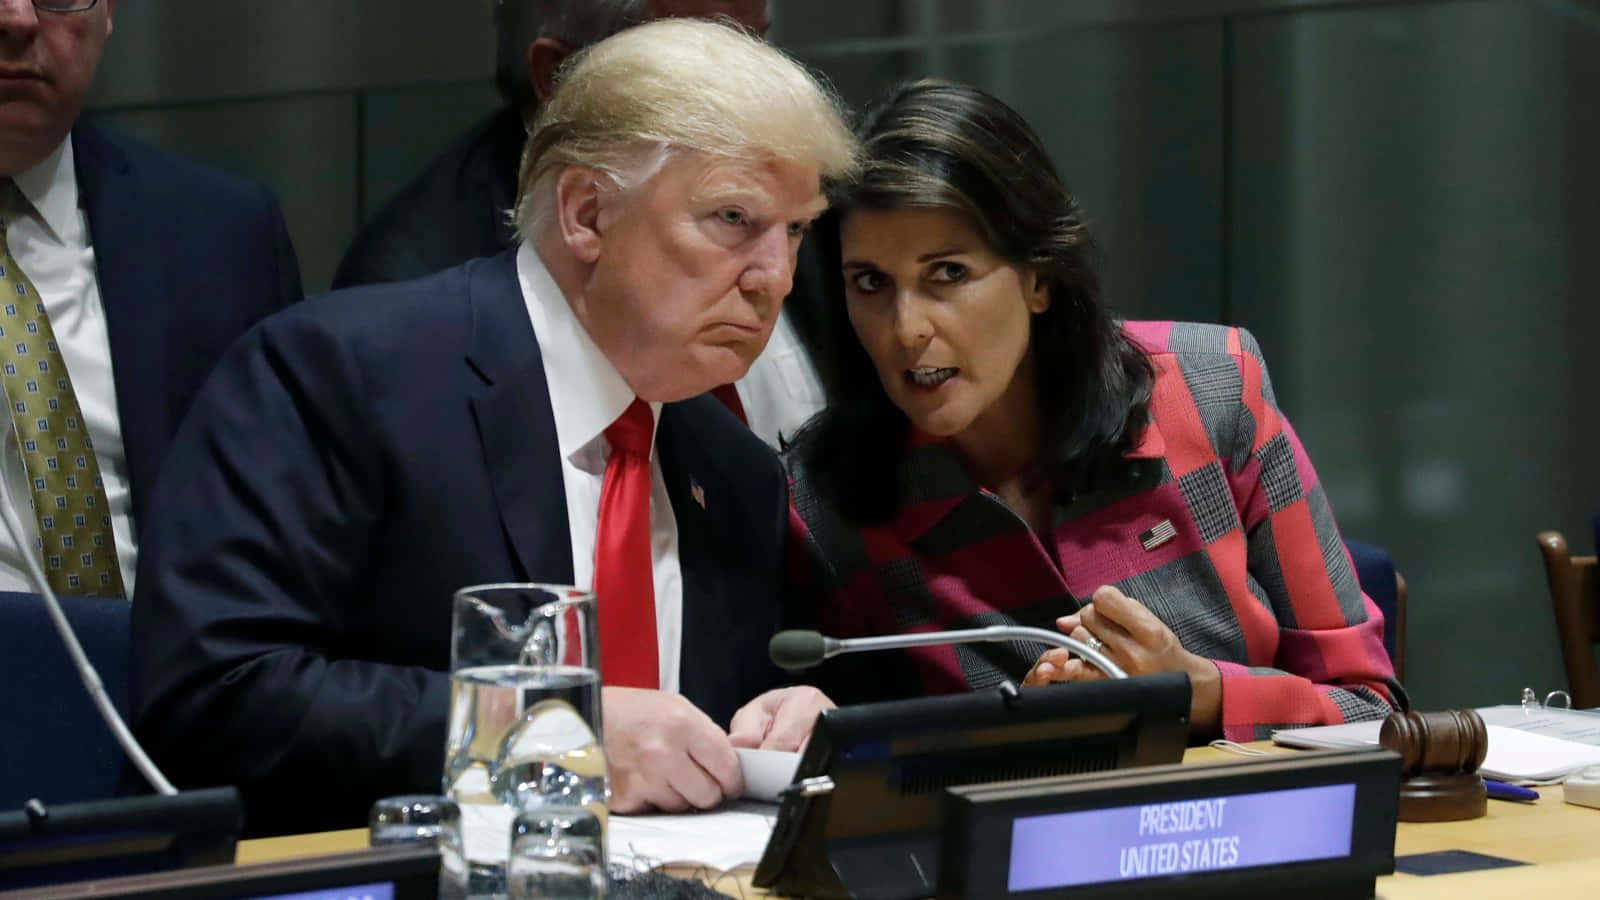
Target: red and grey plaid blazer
1253	576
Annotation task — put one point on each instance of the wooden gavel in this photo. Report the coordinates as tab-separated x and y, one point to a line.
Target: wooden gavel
1440	753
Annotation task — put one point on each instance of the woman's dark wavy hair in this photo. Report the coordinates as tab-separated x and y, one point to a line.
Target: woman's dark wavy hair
935	144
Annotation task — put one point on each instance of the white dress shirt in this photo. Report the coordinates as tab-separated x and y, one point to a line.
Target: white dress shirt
52	244
587	394
781	390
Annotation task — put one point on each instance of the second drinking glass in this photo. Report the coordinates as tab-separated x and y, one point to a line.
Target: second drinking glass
525	729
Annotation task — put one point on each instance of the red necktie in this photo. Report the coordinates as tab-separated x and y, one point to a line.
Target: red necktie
624	580
729	396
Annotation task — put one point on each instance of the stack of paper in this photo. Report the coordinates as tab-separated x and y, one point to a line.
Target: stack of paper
726	838
1581	725
730	836
1514	755
734	835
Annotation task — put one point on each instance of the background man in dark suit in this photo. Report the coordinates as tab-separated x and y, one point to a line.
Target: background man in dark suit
147	267
357	459
455	209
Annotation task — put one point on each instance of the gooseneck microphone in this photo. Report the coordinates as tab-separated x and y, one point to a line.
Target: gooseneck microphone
797	650
80	660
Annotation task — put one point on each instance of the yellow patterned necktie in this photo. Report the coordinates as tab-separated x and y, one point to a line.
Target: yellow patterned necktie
69	501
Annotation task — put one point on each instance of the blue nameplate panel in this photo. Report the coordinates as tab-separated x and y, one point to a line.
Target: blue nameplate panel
1181	837
1241	828
383	890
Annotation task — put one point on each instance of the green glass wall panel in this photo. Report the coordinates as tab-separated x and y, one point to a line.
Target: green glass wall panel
403	130
1414	216
1133	122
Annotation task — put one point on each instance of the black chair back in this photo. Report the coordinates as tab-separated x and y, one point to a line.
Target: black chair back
1376	573
57	749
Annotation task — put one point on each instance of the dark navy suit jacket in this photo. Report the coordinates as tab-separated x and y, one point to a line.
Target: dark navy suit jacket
354	461
187	259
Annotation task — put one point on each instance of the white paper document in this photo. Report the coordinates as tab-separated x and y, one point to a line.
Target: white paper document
732	835
721	839
766	772
486	831
1330	737
1514	755
1579	725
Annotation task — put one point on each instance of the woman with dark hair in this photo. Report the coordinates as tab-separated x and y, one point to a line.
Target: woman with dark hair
999	449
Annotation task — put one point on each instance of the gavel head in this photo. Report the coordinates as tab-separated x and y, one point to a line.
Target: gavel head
1436	743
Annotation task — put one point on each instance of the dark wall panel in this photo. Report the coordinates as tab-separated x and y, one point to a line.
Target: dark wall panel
1413	221
167	51
403	130
1133	121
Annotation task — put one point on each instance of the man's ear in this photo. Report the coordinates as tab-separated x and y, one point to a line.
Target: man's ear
1038	291
581	194
544	59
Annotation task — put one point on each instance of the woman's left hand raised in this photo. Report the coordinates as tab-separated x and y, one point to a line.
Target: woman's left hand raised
1132	636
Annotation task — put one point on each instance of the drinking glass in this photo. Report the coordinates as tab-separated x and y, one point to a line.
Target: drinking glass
524	714
424	818
557	853
414	817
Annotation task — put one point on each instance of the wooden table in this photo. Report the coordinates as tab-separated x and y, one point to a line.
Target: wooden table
1560	840
295	846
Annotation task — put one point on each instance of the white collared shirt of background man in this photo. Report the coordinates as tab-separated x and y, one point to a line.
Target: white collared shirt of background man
53	246
781	390
587	394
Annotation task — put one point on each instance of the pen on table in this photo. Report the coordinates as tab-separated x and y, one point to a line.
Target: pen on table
1500	790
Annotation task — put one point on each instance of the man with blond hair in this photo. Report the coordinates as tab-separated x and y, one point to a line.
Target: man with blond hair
455	208
356	460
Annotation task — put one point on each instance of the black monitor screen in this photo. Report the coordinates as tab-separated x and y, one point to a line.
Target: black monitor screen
400	872
889	764
111	838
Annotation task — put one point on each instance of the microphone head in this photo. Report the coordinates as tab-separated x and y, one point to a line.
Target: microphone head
796	650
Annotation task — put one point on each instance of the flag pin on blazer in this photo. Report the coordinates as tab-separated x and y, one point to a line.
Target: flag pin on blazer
1160	534
697	492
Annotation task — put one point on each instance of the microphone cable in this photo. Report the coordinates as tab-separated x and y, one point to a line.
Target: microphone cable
80	660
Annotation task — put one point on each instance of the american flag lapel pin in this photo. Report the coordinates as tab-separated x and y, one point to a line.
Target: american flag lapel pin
1158	535
697	492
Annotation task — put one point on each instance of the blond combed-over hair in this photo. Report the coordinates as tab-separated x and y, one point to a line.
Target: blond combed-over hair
625	104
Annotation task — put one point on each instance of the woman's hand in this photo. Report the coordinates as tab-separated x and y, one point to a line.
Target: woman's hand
1141	644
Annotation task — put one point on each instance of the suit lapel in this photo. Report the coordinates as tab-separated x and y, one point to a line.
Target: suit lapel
947	514
695	489
515	423
132	270
729	552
